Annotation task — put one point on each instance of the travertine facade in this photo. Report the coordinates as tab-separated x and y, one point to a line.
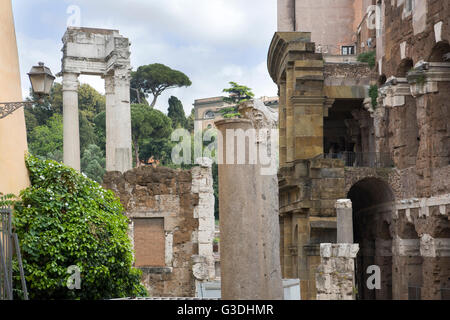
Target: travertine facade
389	155
171	225
107	54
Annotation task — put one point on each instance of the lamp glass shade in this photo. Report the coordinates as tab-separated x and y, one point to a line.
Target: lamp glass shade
41	79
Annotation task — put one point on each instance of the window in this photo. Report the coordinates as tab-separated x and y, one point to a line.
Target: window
149	242
348	50
210	115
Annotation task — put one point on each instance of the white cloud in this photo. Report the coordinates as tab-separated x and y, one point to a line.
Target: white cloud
212	41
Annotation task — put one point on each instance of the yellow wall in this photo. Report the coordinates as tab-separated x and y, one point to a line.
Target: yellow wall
13	138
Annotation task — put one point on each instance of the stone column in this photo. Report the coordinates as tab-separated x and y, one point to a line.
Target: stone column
70	87
110	120
344	213
335	277
118	123
282	123
249	224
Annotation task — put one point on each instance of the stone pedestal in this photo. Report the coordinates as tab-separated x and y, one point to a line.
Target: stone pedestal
344	213
70	87
335	277
249	225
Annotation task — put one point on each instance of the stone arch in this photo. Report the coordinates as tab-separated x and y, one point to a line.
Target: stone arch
373	207
404	67
439	50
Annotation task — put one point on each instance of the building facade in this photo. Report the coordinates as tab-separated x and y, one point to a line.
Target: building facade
378	136
207	111
13	134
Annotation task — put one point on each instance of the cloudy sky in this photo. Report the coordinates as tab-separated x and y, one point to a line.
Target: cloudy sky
211	41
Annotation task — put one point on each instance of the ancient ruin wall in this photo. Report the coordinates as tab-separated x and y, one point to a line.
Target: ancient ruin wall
179	253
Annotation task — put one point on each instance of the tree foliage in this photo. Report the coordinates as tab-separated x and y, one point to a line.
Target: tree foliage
93	163
154	79
149	127
236	94
47	138
65	219
176	113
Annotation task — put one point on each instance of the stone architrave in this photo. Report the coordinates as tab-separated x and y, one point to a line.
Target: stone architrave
249	223
104	53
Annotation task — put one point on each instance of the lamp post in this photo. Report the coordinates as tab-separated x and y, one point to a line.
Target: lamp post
41	79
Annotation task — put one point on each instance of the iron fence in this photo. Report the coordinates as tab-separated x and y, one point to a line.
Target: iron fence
9	244
363	159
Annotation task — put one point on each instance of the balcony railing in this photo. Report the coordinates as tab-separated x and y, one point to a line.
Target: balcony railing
363	159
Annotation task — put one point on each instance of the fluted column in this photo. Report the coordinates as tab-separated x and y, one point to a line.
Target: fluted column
70	87
110	120
118	121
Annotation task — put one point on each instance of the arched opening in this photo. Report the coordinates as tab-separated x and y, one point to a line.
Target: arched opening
373	202
405	66
439	51
382	79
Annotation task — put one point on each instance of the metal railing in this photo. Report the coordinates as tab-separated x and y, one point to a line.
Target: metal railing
8	242
363	159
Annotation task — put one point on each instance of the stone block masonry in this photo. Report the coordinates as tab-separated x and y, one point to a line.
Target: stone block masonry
171	216
335	278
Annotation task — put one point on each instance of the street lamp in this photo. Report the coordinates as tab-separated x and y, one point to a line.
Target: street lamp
41	79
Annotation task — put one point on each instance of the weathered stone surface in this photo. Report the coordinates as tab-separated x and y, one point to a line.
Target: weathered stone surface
185	200
335	279
104	53
249	223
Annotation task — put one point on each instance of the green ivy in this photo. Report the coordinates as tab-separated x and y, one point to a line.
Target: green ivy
7	200
373	94
368	57
66	219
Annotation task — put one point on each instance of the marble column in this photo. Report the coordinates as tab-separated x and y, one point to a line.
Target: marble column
118	121
70	87
110	120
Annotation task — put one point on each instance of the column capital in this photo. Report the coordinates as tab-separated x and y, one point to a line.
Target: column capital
109	84
70	81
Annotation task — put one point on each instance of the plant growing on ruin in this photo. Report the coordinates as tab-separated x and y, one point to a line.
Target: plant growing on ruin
368	57
237	94
65	219
373	94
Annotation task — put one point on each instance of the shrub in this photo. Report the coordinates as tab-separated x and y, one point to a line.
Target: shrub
373	93
368	57
65	219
